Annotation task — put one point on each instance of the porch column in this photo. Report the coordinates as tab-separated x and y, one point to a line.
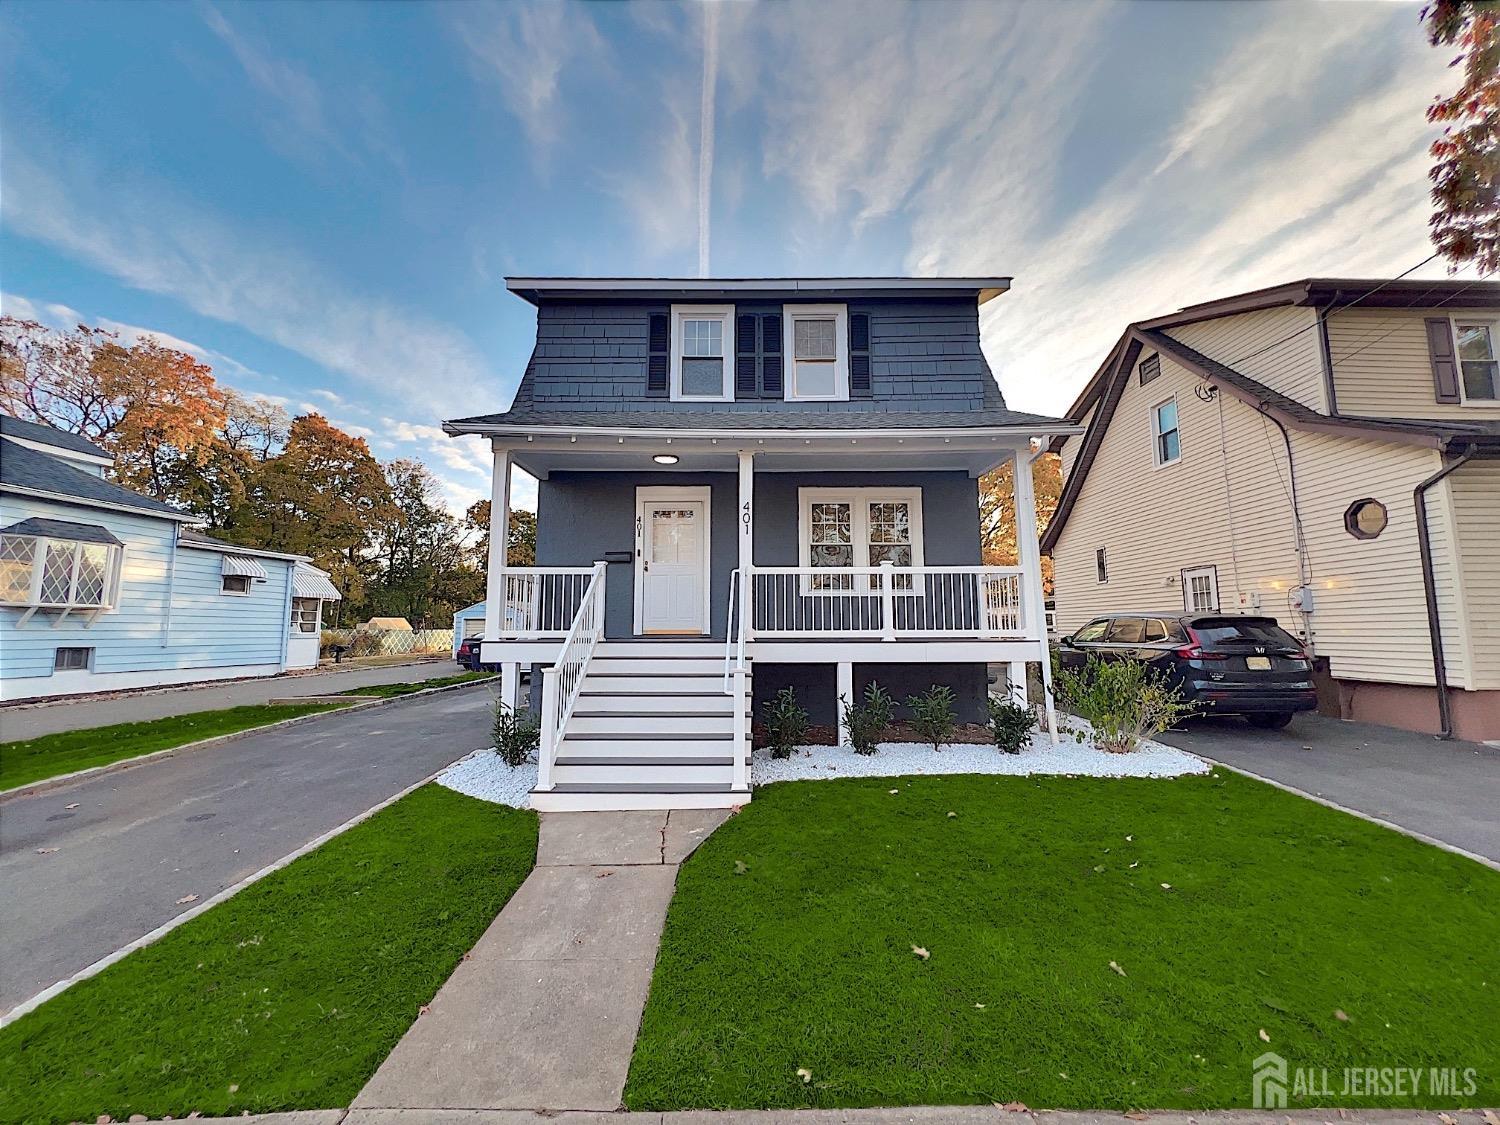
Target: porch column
499	536
745	516
1016	673
843	689
510	683
1029	550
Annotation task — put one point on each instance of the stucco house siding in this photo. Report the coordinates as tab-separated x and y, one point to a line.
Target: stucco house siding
1278	346
1381	366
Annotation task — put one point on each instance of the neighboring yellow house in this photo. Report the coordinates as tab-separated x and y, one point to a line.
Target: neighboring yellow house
1327	452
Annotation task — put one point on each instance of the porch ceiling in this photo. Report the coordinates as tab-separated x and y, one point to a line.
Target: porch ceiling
973	453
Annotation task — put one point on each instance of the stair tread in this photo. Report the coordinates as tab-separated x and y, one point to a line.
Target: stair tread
646	760
641	787
634	736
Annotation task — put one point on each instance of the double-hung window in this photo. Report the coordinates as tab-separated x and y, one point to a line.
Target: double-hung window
700	369
58	573
860	527
817	346
1479	361
1166	438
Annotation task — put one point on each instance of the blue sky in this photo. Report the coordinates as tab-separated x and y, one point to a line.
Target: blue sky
323	199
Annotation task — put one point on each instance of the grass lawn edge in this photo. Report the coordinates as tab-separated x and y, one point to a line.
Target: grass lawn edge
356	703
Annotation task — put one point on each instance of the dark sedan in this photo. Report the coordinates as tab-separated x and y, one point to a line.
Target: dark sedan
1225	663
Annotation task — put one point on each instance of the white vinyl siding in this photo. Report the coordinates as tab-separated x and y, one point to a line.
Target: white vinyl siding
1475	496
1280	347
1382	368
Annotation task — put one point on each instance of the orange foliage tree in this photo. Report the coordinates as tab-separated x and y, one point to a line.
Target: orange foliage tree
997	512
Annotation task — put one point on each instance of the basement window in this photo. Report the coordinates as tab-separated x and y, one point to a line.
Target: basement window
72	659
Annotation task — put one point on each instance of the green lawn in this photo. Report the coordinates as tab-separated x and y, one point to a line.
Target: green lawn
289	994
51	755
789	945
386	691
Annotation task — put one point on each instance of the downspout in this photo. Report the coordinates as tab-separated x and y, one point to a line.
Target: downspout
1329	388
286	614
166	618
1429	588
1299	540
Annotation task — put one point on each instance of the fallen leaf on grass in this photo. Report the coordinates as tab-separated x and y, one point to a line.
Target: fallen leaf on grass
185	899
1136	864
1099	869
739	867
1341	1015
920	952
234	1087
1117	968
894	792
45	851
979	1006
1264	1036
1011	1107
1128	839
422	1011
1166	886
804	1074
951	815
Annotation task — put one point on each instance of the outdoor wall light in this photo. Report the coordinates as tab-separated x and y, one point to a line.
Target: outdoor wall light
665	458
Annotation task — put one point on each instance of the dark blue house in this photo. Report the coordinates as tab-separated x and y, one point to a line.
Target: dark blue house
748	484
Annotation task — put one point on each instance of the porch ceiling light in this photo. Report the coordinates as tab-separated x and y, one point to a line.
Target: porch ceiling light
665	458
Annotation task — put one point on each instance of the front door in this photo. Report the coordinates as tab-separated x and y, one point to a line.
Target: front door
672	562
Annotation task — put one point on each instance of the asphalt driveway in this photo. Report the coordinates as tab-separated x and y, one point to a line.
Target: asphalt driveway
1447	790
89	867
18	723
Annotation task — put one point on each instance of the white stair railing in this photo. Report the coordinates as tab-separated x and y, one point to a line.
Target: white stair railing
736	676
562	682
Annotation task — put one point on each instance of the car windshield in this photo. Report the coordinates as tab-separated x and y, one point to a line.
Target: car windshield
1246	631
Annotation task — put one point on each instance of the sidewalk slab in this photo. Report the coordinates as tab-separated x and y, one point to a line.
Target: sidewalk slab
582	913
687	828
588	838
915	1115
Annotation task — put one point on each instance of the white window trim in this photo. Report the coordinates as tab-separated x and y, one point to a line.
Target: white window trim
228	593
1211	572
1101	566
790	314
859	500
115	561
1156	433
1463	391
722	313
294	627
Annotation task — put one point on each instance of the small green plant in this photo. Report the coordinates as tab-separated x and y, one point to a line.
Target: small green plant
786	723
1011	723
869	718
517	734
932	714
1123	702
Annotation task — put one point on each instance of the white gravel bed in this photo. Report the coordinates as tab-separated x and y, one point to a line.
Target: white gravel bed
485	775
897	759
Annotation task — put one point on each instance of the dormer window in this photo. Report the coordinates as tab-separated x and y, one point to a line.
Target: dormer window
700	369
817	341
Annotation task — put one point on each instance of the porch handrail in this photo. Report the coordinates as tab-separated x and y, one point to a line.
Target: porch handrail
736	678
730	631
562	682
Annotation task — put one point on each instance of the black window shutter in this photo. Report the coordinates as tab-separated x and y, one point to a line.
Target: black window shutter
1444	360
770	356
859	356
744	355
658	345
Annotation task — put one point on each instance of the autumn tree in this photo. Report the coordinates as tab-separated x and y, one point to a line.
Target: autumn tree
520	547
997	512
254	430
1466	158
425	576
156	410
320	497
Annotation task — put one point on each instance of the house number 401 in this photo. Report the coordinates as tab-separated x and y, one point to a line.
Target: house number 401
745	517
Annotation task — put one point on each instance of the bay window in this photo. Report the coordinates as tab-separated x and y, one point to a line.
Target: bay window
42	572
860	527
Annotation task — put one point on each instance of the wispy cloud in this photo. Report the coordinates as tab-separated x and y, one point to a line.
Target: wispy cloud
706	124
140	235
526	47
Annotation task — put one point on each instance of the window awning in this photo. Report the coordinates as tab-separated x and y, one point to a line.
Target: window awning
310	582
243	566
62	529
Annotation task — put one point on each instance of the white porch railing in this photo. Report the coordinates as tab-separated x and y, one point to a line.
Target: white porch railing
887	602
562	682
541	601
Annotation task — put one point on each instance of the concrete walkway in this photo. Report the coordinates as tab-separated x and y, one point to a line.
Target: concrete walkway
19	722
543	1014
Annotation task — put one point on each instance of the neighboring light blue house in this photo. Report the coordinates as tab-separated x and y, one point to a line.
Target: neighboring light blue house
103	589
467	622
747	485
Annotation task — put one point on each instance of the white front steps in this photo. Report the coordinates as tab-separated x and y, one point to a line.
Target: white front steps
652	728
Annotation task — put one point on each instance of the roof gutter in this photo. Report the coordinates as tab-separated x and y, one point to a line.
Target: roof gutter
1429	588
1028	430
88	502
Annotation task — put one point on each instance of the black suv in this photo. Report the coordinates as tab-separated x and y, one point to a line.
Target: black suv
1225	663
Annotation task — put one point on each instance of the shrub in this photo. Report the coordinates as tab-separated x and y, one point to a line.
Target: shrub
786	723
1123	701
1011	723
869	718
932	714
517	734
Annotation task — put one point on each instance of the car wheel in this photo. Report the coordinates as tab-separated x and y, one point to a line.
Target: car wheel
1273	721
